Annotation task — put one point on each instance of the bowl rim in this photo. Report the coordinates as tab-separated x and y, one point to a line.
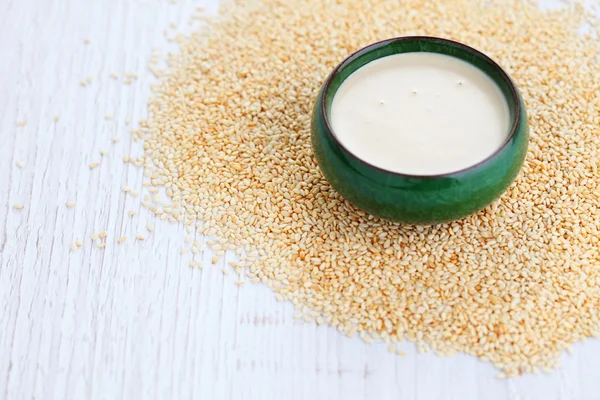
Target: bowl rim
515	121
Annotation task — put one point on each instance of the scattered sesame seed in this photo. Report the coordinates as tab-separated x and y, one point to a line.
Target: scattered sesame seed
102	235
115	139
108	116
56	118
131	213
20	164
150	227
21	123
513	283
71	204
103	152
87	41
193	264
101	245
18	206
78	243
239	283
140	237
122	239
94	236
94	164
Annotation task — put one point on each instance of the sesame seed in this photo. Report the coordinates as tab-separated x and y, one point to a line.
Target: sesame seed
150	227
101	245
131	213
230	146
103	152
20	164
140	237
18	206
122	239
102	235
94	164
115	139
71	204
21	123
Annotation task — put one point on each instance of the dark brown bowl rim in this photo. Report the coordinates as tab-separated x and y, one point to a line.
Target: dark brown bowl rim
513	89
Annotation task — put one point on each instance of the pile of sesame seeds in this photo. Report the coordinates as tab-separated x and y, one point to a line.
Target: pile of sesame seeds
228	138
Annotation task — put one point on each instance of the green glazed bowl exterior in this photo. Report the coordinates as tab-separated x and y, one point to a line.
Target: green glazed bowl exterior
419	199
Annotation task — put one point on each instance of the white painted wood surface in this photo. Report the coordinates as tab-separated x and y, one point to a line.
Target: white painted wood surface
133	321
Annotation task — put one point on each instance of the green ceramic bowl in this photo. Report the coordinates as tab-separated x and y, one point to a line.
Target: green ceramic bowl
415	199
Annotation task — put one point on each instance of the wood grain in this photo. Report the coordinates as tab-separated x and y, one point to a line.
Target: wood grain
132	320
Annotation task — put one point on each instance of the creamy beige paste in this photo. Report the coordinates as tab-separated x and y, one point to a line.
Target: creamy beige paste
420	113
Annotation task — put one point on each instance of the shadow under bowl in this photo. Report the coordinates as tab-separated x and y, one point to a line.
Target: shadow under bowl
412	199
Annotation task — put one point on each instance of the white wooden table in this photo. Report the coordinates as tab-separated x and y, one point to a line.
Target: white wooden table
133	321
